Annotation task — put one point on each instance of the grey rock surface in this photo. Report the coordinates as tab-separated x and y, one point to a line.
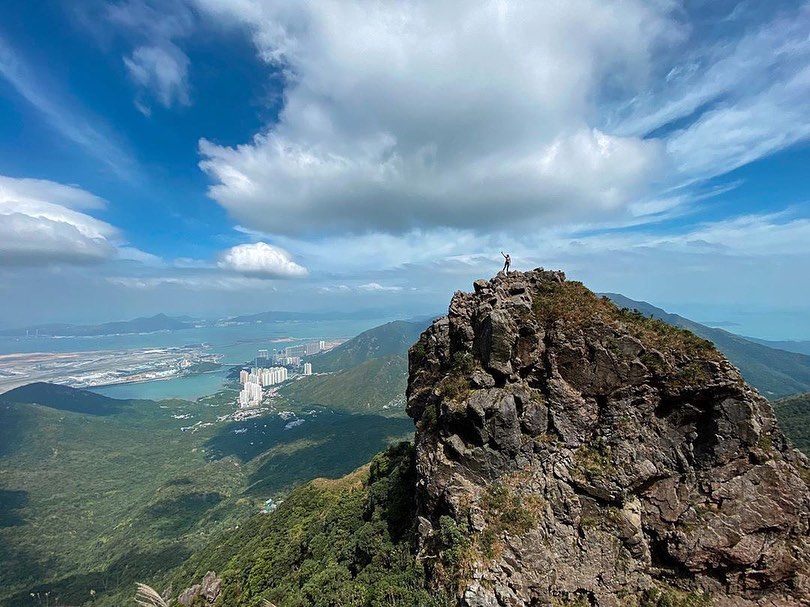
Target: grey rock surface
208	590
597	457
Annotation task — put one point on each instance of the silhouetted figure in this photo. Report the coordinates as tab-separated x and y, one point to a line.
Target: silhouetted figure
506	262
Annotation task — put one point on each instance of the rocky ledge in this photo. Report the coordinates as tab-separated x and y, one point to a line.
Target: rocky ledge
571	453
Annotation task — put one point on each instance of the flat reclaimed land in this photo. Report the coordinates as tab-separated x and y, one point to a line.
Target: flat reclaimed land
101	367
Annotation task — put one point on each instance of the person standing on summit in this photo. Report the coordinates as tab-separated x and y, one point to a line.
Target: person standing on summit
506	261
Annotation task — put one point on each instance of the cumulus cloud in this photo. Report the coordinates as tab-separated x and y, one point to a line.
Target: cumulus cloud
466	115
499	115
261	260
39	224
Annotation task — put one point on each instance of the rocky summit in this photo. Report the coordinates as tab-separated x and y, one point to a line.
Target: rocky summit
572	453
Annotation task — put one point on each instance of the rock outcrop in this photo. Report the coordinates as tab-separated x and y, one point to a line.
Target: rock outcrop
206	592
569	452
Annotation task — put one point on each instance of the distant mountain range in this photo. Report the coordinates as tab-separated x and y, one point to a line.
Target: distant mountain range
286	316
152	324
800	347
776	368
162	322
776	373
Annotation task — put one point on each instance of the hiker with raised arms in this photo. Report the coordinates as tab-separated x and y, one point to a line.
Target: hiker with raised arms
506	262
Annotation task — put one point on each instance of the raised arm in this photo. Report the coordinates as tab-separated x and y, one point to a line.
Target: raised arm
504	255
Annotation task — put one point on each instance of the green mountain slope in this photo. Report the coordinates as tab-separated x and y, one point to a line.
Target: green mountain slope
801	347
65	398
345	542
386	340
98	502
775	373
377	385
793	414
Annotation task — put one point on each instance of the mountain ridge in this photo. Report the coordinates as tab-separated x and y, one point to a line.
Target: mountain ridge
65	398
389	339
143	324
774	372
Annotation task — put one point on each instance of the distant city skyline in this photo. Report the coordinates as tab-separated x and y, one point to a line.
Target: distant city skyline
224	157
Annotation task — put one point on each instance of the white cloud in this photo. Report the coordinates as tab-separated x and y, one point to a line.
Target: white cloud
497	115
429	114
375	286
164	70
369	287
261	260
335	289
36	190
741	98
157	64
39	224
206	282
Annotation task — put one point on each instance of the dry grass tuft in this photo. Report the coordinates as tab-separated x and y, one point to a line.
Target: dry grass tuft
148	597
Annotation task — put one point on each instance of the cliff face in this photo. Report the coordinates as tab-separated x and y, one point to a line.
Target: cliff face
568	452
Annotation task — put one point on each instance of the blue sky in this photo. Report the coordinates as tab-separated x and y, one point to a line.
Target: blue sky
215	157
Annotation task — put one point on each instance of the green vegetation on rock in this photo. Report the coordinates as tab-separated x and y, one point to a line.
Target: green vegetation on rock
775	373
572	303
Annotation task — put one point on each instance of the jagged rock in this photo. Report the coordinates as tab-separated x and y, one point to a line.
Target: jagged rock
208	590
595	455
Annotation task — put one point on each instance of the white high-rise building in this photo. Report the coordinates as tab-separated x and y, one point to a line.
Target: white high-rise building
292	361
295	351
272	376
251	395
307	368
243	376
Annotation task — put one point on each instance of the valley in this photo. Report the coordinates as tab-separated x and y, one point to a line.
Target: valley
96	500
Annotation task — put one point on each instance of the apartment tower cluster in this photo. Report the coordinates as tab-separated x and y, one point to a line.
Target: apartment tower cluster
270	369
254	380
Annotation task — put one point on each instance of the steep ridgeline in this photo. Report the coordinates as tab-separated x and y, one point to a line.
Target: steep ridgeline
570	453
774	371
391	339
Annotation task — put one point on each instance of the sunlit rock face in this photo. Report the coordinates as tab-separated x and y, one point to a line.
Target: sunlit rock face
569	452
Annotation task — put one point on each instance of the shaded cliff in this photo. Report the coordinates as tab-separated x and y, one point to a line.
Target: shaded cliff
568	452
